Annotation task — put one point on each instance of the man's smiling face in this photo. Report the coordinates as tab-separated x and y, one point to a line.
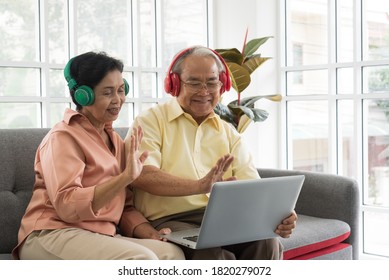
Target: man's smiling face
198	69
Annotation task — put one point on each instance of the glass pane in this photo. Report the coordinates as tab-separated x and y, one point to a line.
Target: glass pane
57	37
346	140
376	79
126	116
19	82
307	82
376	29
56	84
376	113
307	32
19	25
147	33
148	84
345	31
308	135
185	24
104	25
146	106
56	112
20	115
345	81
374	225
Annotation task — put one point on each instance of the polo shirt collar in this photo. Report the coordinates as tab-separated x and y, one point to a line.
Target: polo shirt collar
176	111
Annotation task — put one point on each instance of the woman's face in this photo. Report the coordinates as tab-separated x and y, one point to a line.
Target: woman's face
109	98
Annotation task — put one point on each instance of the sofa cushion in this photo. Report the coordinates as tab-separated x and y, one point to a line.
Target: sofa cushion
314	234
17	153
340	251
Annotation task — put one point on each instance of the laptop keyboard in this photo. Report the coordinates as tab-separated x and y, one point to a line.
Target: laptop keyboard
192	238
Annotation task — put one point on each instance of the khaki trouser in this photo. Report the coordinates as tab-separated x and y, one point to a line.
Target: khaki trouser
78	244
269	249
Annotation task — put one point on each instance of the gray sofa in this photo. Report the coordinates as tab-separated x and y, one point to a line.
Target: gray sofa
328	206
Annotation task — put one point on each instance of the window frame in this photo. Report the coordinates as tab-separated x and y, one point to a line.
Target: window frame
333	98
135	71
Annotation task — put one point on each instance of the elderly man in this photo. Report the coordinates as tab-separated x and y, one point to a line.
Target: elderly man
190	148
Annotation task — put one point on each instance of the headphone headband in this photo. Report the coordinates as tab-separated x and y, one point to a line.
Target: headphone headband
66	71
172	80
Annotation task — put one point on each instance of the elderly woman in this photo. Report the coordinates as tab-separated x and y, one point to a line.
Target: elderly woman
82	196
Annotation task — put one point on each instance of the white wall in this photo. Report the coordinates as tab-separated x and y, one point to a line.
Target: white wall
232	17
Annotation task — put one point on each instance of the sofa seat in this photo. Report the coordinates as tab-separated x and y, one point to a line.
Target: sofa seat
317	237
328	205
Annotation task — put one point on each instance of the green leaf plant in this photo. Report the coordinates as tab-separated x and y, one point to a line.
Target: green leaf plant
241	65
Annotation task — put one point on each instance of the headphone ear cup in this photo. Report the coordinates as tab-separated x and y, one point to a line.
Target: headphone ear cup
175	80
228	84
84	96
126	87
172	80
223	79
167	84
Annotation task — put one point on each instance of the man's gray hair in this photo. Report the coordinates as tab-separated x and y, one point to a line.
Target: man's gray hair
197	51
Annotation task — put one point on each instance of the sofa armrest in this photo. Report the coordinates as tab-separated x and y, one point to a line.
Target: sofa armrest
326	196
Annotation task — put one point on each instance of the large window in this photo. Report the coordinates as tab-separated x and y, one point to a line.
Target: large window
336	82
38	38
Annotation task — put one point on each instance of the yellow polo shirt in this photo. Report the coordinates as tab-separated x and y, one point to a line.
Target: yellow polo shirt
179	146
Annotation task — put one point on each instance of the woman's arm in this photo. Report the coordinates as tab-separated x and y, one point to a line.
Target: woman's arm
134	165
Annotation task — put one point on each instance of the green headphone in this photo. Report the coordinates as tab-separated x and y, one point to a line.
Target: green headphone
84	95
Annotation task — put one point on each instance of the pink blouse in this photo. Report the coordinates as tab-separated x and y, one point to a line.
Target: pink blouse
70	161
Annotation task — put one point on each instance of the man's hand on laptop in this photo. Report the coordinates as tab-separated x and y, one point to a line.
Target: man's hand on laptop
286	228
216	174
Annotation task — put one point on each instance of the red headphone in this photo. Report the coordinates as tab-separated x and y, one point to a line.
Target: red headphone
172	80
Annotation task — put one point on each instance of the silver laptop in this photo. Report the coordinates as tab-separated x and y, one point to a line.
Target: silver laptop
242	211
